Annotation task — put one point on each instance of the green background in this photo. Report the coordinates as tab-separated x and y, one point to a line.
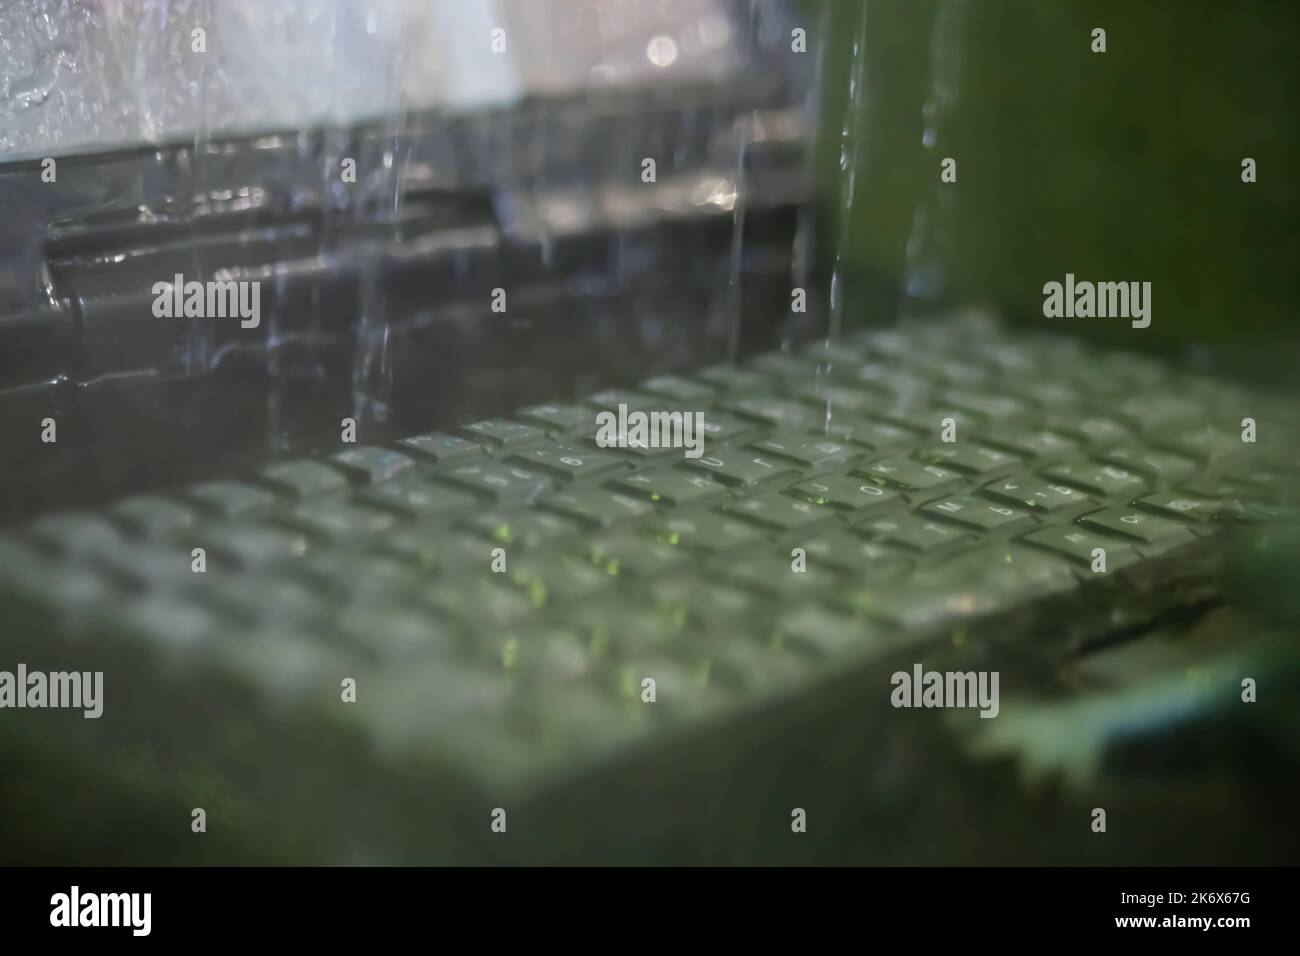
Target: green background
1116	166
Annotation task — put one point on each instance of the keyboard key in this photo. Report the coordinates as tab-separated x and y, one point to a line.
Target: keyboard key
636	401
1041	497
480	606
568	462
431	549
230	498
778	511
849	494
1161	467
1097	433
598	507
720	429
254	599
739	467
979	514
1182	506
864	560
693	601
1103	481
368	465
1205	444
559	418
969	458
248	546
728	378
838	400
915	533
74	534
524	529
806	450
680	390
908	475
539	656
148	566
411	497
1152	414
776	575
877	436
630	555
707	531
394	634
335	520
356	576
987	406
1160	534
500	482
302	478
154	517
672	486
440	448
558	581
785	367
1039	444
1078	545
827	635
502	433
776	412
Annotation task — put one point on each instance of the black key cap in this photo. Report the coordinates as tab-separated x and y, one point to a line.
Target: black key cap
672	486
849	494
598	507
335	520
1041	497
440	448
1104	481
502	433
969	458
569	463
806	450
230	498
559	418
1160	534
302	478
526	530
739	467
915	533
1079	546
908	475
707	531
368	465
776	510
411	497
154	517
979	514
499	482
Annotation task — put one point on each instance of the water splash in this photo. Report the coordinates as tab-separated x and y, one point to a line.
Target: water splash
924	275
736	254
372	370
851	136
803	247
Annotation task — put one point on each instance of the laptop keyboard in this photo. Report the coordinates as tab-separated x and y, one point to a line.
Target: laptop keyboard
501	592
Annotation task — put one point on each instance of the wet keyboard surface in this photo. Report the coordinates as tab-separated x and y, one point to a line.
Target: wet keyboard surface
501	592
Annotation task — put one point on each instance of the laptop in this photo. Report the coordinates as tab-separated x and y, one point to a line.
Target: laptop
504	481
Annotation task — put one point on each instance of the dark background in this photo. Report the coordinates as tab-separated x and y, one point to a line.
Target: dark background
1116	166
